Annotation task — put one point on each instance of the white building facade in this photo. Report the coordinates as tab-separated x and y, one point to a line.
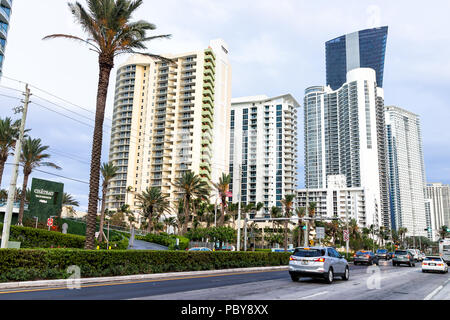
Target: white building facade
344	135
170	118
336	201
438	195
406	171
264	144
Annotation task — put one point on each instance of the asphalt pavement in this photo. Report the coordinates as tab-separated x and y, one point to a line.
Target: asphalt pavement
144	245
366	283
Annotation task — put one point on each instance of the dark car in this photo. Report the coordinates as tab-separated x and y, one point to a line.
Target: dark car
403	257
391	255
365	257
383	254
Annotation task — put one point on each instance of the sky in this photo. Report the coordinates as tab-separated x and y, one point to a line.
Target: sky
276	47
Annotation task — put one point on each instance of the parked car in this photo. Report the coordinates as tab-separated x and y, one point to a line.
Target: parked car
318	262
365	257
438	264
391	255
403	257
383	254
282	250
200	249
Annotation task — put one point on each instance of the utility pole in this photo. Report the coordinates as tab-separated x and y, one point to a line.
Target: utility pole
238	244
245	234
215	214
15	172
346	221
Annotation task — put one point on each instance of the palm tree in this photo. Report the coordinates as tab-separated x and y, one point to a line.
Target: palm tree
443	232
32	157
170	222
287	203
311	213
275	212
192	187
222	188
300	212
109	171
110	32
9	133
153	204
68	200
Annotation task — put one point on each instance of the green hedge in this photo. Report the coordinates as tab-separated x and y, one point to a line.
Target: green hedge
38	238
164	239
28	265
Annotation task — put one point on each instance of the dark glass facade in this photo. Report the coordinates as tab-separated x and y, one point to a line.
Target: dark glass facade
372	52
5	13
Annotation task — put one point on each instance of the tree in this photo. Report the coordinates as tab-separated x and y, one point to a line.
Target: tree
110	32
32	157
153	203
443	232
68	200
192	187
109	171
311	213
287	203
300	212
222	187
9	133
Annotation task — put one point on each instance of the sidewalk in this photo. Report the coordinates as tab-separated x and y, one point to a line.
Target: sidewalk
156	276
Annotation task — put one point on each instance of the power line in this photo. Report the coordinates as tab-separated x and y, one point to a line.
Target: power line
54	174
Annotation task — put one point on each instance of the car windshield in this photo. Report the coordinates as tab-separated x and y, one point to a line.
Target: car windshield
309	253
401	253
381	251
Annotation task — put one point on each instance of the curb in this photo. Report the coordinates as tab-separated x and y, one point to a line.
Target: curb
71	282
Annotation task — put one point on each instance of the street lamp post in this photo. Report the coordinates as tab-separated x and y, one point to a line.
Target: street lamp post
238	244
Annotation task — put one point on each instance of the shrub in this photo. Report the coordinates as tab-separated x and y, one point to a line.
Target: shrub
38	238
27	265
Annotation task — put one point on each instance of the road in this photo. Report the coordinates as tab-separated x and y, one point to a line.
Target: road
387	283
144	245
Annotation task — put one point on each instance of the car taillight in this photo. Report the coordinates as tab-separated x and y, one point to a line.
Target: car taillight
424	264
320	260
440	265
291	258
408	256
367	256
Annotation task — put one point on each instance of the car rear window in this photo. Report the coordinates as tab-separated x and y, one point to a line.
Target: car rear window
309	253
401	253
362	253
381	251
432	259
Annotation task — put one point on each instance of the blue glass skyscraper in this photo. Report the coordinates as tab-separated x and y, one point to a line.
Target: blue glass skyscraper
5	14
362	49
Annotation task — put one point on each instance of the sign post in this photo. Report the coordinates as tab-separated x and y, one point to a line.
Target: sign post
320	234
49	223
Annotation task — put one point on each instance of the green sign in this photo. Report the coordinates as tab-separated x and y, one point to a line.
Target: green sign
46	199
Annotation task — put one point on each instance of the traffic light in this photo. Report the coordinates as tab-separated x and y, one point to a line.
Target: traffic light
304	228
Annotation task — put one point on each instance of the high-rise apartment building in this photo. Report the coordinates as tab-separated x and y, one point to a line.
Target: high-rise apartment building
438	195
5	14
264	144
344	136
336	200
170	118
362	49
406	171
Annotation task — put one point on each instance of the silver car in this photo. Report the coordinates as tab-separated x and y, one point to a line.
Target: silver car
318	262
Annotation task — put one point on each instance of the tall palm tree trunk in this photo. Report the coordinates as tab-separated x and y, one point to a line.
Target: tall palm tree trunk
150	220
186	214
106	64
22	198
102	215
222	213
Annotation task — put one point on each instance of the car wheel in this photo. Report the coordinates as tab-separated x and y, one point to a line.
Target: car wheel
329	277
346	275
355	263
414	265
295	278
423	271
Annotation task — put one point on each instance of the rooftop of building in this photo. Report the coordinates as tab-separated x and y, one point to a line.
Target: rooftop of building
263	99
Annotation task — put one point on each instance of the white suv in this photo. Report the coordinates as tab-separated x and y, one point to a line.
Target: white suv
318	262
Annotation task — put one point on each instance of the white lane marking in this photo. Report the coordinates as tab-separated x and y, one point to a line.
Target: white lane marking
436	291
431	295
314	295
